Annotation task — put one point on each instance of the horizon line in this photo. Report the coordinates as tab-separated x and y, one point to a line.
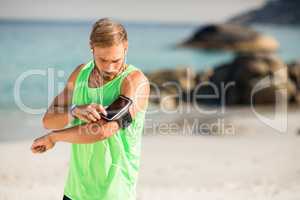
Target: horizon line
4	20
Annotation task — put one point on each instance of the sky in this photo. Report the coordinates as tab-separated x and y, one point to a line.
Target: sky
167	11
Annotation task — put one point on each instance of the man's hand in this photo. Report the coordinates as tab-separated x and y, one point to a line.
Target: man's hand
42	144
89	113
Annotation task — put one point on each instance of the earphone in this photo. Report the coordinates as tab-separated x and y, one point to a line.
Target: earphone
125	56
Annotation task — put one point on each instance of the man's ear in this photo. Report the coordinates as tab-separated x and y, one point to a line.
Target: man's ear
91	45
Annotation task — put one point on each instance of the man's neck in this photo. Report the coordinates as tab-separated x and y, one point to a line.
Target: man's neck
111	77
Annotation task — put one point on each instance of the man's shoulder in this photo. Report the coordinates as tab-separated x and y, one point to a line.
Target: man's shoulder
136	75
72	78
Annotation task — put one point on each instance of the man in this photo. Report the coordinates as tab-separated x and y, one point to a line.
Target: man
105	156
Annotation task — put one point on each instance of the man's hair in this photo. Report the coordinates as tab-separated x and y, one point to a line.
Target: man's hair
107	33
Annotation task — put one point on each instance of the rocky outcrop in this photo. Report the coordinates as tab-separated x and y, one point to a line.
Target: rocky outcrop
273	12
255	76
168	86
230	37
249	78
294	74
236	81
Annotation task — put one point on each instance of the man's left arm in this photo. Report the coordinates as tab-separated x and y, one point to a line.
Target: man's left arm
135	86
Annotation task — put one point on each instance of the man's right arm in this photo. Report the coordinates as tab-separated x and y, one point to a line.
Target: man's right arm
58	114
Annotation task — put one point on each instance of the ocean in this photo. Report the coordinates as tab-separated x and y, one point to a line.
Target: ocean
32	51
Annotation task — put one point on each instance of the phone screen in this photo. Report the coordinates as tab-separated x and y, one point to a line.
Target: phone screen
116	107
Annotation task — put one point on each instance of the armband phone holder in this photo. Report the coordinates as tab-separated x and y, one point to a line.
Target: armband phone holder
119	111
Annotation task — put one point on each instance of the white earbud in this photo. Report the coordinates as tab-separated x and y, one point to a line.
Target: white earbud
125	55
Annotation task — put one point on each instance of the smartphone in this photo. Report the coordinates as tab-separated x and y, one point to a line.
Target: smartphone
117	109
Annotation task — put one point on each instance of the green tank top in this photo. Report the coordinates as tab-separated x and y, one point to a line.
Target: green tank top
107	169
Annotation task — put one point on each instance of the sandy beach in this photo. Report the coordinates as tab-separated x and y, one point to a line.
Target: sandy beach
255	163
231	155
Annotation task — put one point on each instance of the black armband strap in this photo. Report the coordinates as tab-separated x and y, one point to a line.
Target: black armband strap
119	111
125	120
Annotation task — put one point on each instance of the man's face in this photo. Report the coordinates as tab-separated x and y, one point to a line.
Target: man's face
109	59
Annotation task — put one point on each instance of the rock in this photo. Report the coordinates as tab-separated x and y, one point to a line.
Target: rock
294	74
171	84
236	81
167	102
230	37
184	76
273	12
232	83
204	75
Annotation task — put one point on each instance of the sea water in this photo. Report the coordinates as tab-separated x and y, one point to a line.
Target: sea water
33	52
